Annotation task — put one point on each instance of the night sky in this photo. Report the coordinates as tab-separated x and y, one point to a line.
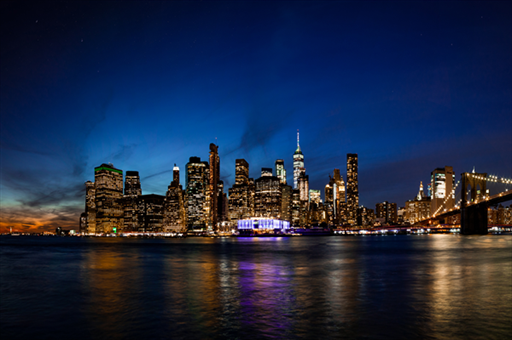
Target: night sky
408	86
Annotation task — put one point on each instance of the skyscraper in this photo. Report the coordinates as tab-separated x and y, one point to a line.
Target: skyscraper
132	184
268	197
108	193
387	212
176	174
442	186
132	191
196	188
214	180
241	172
298	164
90	207
335	198
352	188
174	215
281	171
418	208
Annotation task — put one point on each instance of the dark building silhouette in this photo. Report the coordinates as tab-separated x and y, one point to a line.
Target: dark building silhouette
150	213
132	184
387	212
365	217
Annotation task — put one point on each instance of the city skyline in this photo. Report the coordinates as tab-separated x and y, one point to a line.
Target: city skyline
409	87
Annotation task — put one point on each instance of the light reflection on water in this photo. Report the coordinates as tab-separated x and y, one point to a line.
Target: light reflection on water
429	286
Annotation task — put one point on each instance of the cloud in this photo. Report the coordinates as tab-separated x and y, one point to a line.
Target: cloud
261	126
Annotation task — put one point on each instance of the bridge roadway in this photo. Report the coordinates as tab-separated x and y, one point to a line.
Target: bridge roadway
491	200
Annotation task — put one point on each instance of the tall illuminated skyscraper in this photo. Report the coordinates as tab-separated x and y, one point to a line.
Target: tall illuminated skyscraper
352	188
196	188
281	171
214	180
174	214
241	172
335	197
108	193
442	186
298	164
240	205
176	174
132	192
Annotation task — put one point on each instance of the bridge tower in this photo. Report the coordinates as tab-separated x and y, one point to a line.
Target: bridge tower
473	218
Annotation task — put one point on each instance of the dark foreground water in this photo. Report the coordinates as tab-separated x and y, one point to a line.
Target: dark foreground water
405	287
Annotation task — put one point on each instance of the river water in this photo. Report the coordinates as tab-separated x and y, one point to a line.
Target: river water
364	287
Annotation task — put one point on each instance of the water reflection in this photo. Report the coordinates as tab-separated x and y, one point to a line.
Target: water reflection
469	286
437	286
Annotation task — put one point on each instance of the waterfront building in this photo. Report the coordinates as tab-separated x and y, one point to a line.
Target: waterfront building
150	213
241	194
442	189
365	217
90	207
213	186
281	171
296	207
316	212
400	215
286	202
386	212
500	215
418	208
298	164
197	181
82	224
108	183
352	188
174	213
132	186
258	225
335	198
132	191
268	197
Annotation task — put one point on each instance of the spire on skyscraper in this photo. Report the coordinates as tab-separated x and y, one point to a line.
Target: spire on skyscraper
298	151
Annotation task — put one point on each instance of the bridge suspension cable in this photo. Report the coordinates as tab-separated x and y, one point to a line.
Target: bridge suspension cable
492	178
451	195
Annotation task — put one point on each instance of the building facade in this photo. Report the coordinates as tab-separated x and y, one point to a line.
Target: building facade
418	208
298	164
386	212
442	189
352	188
197	185
281	171
108	183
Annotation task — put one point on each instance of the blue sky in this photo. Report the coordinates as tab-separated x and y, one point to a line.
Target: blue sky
409	86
